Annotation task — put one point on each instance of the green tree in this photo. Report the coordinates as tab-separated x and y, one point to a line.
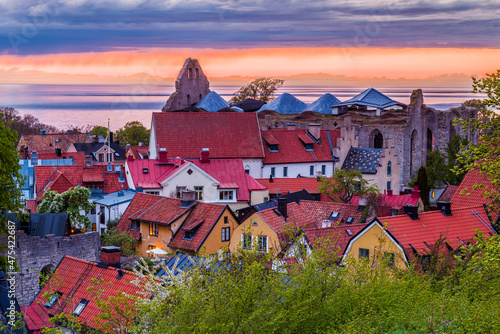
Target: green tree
75	202
10	192
423	185
99	131
262	89
485	155
345	184
23	125
437	169
133	133
125	241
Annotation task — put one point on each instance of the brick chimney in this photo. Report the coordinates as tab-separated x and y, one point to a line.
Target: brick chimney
110	255
315	130
415	193
95	140
162	155
205	155
389	192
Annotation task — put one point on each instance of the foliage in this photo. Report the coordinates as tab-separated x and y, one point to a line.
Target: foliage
23	125
261	89
133	133
436	168
113	237
75	202
10	192
346	184
423	185
99	131
484	155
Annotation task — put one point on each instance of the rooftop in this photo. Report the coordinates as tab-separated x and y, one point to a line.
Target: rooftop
372	98
364	160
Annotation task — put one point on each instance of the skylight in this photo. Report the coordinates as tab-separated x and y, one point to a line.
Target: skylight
79	308
55	297
349	220
349	232
145	170
334	216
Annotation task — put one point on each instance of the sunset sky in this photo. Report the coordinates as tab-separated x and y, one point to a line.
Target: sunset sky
392	39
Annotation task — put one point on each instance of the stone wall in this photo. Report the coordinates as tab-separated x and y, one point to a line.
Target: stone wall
35	253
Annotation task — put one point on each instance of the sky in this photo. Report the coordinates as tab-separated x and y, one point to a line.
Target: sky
393	39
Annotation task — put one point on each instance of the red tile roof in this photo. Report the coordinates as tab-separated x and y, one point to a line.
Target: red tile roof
296	218
395	202
317	211
336	236
431	225
227	135
137	151
31	204
205	216
36	318
291	148
73	278
139	204
50	141
285	185
448	193
465	196
61	178
156	172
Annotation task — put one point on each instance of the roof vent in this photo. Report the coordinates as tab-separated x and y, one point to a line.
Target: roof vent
205	155
43	132
162	155
445	208
411	211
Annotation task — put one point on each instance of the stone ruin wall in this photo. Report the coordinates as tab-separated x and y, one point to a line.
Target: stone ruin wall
35	253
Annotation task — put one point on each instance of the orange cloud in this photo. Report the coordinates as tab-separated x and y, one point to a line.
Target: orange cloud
409	63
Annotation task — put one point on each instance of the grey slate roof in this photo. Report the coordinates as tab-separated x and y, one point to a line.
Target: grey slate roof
116	198
285	104
372	98
249	104
324	104
365	160
91	148
212	102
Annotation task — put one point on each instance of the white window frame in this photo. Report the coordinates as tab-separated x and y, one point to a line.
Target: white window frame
229	191
262	237
198	193
243	246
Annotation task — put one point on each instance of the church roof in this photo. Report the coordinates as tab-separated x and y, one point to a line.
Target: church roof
249	104
212	102
324	104
285	104
365	160
372	98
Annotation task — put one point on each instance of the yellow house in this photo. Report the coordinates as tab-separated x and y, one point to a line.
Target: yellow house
173	224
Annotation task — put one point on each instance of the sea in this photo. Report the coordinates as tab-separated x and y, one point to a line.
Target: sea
66	106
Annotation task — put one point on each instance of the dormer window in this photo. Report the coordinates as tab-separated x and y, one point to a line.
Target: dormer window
188	235
273	148
309	147
349	220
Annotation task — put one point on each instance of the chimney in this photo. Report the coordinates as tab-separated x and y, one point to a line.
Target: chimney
389	192
205	155
315	130
445	208
271	178
95	139
290	126
282	207
188	198
363	203
162	155
415	193
411	211
88	161
34	158
43	132
110	255
130	157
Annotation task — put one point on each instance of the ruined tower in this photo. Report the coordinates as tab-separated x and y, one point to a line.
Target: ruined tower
190	87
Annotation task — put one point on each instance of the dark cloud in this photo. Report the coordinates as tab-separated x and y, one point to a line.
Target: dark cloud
31	28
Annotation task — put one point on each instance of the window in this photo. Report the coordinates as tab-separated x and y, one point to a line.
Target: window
285	171
390	258
109	156
225	234
101	157
151	247
394	212
323	169
94	227
246	241
273	148
262	240
134	226
388	185
309	147
199	193
145	170
226	195
226	220
389	168
311	170
273	171
79	308
153	229
179	190
364	253
247	171
188	235
334	215
152	192
55	297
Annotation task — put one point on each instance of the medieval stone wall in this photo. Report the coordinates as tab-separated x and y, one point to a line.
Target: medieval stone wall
35	253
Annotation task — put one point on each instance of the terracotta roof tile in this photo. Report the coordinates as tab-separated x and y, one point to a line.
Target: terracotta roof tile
50	141
448	193
465	196
461	225
73	280
395	202
285	185
139	204
337	236
291	148
227	135
205	215
317	211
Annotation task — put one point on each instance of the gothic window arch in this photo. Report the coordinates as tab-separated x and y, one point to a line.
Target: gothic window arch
389	168
376	139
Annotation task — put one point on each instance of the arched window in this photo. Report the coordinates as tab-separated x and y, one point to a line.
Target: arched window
389	168
196	73
190	73
376	139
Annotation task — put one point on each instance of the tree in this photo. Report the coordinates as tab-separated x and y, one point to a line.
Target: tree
423	185
75	202
99	131
133	133
25	125
485	155
261	89
113	237
346	184
10	178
